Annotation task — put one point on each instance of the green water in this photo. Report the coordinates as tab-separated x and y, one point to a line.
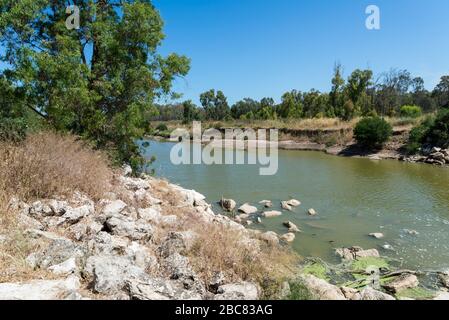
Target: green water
354	197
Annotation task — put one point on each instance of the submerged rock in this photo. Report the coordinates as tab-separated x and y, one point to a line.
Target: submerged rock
312	212
288	237
266	203
293	203
228	204
376	235
286	206
248	209
404	281
271	214
356	252
291	227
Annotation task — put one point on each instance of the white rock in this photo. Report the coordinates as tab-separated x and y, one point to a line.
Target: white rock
312	212
228	204
237	291
356	252
41	290
270	237
65	268
271	214
404	281
291	227
248	209
127	170
266	203
371	294
377	235
286	206
321	289
442	295
114	207
288	237
150	215
294	203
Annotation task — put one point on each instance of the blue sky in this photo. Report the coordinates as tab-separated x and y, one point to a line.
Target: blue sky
262	48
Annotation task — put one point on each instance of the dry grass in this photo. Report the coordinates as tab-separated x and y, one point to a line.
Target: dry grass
49	164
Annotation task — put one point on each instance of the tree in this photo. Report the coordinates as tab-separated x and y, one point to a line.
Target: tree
441	92
391	91
336	95
243	107
291	105
267	109
316	104
99	81
190	112
357	86
215	105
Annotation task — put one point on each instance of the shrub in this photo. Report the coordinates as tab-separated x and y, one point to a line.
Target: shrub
162	127
372	132
438	132
12	129
49	164
410	111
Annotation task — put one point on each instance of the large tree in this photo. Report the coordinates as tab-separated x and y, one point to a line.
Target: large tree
215	105
441	92
99	81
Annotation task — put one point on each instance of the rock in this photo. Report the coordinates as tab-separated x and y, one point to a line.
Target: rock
377	235
73	216
228	204
435	150
142	256
237	291
371	294
266	203
356	252
114	207
404	281
58	251
27	222
288	237
258	220
444	279
292	228
321	289
40	209
41	290
178	267
127	227
110	273
349	293
411	232
243	216
135	184
107	244
294	203
150	215
312	212
127	170
270	237
442	296
388	247
271	214
286	206
58	207
177	242
159	289
84	230
65	268
218	279
248	209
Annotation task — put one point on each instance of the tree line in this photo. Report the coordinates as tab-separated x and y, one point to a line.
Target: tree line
393	93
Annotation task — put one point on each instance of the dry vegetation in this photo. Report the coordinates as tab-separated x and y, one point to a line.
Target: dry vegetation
49	164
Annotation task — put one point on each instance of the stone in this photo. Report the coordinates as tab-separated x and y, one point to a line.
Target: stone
376	235
237	291
288	237
114	207
228	204
321	289
65	268
178	267
58	207
150	215
270	237
85	229
404	281
26	222
266	203
312	212
177	242
442	296
218	279
127	170
135	184
127	227
286	206
110	273
444	279
243	216
40	209
107	244
248	209
41	290
159	289
73	216
349	293
142	256
387	247
294	203
271	214
356	252
291	227
411	232
371	294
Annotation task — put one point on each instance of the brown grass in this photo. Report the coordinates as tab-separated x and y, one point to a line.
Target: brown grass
49	164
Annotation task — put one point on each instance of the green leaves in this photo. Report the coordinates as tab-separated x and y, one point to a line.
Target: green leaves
99	81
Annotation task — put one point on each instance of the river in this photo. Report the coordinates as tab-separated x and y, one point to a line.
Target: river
354	197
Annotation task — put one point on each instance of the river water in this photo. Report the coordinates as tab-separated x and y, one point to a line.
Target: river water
354	197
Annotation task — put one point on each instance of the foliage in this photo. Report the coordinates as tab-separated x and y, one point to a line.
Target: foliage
12	129
316	269
372	132
298	291
441	92
215	105
162	127
417	293
410	111
362	264
100	81
438	131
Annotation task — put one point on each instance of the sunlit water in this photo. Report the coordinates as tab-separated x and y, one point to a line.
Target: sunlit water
354	197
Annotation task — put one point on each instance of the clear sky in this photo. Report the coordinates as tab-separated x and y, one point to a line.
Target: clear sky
262	48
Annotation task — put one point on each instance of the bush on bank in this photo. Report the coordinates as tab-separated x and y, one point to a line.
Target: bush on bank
410	111
434	131
372	132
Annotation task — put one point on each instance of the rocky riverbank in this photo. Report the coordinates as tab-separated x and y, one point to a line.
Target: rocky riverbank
155	240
